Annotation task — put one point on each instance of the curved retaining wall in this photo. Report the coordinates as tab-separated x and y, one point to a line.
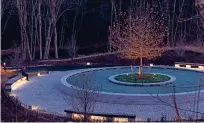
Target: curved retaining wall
13	80
113	80
16	79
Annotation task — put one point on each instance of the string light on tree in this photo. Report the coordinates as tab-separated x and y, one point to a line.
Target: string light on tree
139	35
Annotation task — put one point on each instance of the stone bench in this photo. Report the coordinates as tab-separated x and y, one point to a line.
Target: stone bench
189	65
13	80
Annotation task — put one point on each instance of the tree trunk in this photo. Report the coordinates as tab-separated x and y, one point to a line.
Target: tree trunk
173	19
200	8
23	51
111	26
73	40
115	11
54	19
21	23
49	41
140	68
177	23
86	116
62	34
48	37
55	43
40	28
169	24
31	27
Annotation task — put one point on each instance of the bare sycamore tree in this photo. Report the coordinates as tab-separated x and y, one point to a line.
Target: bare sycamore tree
39	27
38	20
71	48
28	26
53	10
79	12
58	8
62	32
6	7
84	100
78	17
115	12
16	59
181	18
46	22
22	14
32	29
139	35
171	17
200	7
200	26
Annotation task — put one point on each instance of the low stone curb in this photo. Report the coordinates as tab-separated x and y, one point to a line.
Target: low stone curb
113	80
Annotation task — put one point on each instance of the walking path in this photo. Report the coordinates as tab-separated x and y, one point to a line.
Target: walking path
48	92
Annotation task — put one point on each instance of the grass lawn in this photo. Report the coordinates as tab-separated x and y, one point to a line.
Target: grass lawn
146	78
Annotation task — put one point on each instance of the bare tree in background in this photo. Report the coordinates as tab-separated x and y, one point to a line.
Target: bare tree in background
58	8
6	7
78	17
39	36
38	15
140	35
83	100
116	9
21	6
200	7
55	9
31	27
79	13
16	59
27	13
200	29
62	33
47	26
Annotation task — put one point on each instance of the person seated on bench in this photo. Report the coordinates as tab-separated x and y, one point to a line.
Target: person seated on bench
4	66
24	73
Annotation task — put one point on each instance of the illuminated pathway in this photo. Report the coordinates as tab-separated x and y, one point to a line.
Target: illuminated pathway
44	91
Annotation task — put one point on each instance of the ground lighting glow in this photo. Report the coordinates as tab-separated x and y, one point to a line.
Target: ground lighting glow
35	108
19	83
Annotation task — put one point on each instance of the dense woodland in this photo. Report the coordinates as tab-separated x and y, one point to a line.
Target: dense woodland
47	29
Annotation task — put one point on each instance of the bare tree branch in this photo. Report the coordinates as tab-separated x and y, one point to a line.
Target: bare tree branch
140	35
84	99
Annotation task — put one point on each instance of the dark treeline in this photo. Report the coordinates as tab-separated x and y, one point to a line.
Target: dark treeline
86	22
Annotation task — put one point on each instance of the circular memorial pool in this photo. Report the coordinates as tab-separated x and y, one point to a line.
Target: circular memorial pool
186	81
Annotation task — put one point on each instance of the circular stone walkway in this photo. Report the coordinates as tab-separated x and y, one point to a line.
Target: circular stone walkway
50	94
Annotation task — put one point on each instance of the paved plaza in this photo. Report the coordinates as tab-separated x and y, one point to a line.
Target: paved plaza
48	93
